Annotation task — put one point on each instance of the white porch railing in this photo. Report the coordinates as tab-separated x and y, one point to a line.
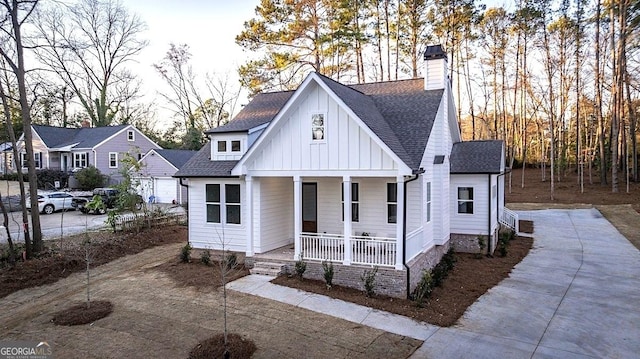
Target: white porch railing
378	251
509	218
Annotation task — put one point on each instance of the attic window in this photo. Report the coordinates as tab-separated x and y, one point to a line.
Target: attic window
131	136
438	160
235	146
222	146
317	127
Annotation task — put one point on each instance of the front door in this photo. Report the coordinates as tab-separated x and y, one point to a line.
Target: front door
310	207
65	163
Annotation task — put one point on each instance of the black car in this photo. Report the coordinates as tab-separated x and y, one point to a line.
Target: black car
109	198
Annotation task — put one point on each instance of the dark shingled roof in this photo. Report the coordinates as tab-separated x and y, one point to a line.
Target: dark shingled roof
176	157
401	113
200	165
476	157
262	109
84	137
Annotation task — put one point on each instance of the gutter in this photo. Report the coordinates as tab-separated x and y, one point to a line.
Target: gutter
404	230
489	234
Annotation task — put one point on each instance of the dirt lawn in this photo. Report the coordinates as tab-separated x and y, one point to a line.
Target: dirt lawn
154	317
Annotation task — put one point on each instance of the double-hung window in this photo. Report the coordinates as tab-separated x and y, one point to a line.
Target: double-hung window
465	200
38	160
113	159
227	203
355	203
80	160
392	202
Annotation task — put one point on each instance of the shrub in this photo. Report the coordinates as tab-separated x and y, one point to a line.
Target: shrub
89	178
424	288
481	245
327	267
205	257
185	253
232	260
47	178
300	266
503	242
438	274
449	259
369	281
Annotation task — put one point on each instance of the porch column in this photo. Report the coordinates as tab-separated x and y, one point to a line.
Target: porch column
399	221
346	186
297	216
249	216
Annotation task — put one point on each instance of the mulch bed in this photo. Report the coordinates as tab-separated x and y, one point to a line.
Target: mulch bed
54	264
213	347
470	278
81	314
201	276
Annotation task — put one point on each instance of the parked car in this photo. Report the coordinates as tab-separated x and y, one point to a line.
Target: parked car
109	197
51	202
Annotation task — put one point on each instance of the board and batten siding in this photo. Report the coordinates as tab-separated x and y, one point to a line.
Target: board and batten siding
476	223
346	146
205	235
273	213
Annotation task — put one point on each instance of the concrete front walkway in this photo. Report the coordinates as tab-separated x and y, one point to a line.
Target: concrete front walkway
576	295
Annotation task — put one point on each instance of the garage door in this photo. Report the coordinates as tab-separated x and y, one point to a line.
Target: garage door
165	190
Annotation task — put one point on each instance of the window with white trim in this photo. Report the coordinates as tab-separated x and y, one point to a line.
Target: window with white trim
355	202
317	127
131	135
225	203
113	159
235	146
392	202
213	203
222	146
465	200
428	201
37	157
80	160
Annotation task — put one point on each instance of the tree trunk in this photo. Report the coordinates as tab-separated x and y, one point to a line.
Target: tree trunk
598	88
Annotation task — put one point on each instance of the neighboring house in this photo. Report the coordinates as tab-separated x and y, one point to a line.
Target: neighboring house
6	157
386	156
71	149
155	179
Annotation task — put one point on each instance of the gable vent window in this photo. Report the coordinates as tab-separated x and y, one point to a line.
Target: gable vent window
317	127
131	136
465	200
222	146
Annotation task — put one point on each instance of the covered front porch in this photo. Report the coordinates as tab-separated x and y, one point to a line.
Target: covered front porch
318	207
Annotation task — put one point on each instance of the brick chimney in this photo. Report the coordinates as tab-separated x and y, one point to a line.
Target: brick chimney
435	68
85	124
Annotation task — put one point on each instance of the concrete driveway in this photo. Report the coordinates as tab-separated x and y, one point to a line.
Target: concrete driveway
576	295
70	222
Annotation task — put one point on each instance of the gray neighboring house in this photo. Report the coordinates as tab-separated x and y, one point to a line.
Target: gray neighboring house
155	180
71	149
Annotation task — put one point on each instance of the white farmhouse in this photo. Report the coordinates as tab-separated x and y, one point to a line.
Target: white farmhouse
361	175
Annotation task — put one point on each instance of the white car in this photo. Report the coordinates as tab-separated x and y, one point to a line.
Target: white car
51	202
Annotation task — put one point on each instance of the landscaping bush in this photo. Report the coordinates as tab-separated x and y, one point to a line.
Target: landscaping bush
185	253
232	260
47	179
424	288
89	178
205	257
328	273
300	267
369	281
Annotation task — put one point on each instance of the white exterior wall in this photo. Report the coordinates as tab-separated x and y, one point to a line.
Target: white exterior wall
273	213
476	223
209	235
228	155
290	147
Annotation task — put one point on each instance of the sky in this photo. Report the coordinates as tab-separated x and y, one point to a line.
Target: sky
209	27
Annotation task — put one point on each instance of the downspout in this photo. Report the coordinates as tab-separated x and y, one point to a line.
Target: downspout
489	234
504	199
404	231
187	187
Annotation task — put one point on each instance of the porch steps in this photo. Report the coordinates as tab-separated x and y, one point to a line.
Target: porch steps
267	268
